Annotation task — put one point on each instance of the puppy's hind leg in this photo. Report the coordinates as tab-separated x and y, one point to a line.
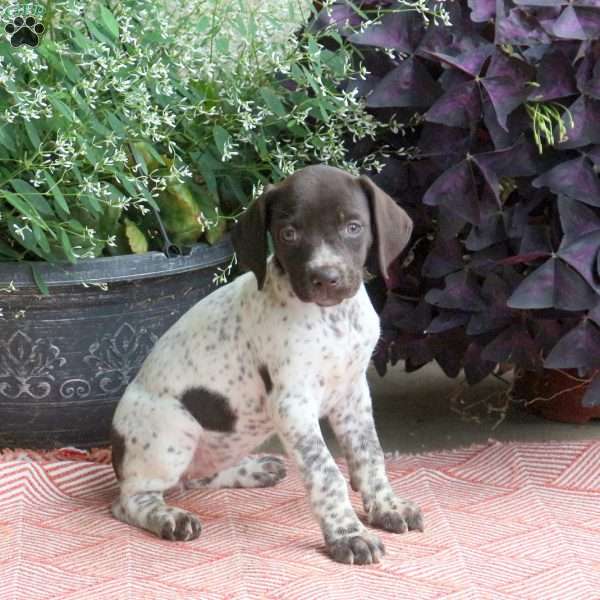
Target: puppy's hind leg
253	471
148	462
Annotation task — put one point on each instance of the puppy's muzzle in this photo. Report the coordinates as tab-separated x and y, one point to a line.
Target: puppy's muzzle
328	286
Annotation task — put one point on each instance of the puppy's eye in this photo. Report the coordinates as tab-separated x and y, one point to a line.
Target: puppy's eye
288	234
353	228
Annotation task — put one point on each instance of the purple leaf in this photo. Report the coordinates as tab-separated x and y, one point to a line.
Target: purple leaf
495	293
517	123
585	113
592	394
536	290
572	292
476	369
461	292
578	24
514	345
444	258
580	348
575	179
518	160
409	84
555	78
449	348
446	320
553	285
460	106
536	240
576	219
489	232
594	313
520	27
582	256
470	62
486	261
451	143
450	224
588	74
503	65
456	190
593	153
482	10
399	30
505	94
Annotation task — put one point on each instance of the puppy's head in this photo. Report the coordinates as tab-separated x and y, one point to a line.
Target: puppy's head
323	222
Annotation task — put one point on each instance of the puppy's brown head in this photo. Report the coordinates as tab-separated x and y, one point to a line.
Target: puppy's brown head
323	222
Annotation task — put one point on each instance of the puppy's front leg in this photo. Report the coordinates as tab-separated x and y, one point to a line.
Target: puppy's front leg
346	538
352	422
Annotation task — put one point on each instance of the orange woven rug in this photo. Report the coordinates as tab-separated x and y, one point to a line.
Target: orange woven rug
503	521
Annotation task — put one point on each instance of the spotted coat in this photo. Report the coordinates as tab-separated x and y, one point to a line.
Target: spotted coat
245	363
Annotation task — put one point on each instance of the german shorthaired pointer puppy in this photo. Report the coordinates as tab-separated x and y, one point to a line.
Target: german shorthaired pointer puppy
273	351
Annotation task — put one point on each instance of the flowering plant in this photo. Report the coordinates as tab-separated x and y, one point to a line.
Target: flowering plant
128	109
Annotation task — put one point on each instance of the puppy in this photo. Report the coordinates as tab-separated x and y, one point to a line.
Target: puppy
275	350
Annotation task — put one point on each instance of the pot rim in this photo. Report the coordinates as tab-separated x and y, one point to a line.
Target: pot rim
110	269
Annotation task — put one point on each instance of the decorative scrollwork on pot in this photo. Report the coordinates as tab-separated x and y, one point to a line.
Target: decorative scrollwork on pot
75	389
26	366
117	357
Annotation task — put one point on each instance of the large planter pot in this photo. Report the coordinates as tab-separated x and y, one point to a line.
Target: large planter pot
65	358
554	394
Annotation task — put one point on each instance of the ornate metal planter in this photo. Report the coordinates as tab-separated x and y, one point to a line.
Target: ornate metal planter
65	358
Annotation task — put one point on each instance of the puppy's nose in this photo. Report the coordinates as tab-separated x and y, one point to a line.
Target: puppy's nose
325	278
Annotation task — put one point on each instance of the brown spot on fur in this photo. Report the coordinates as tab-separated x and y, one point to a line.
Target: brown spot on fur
266	377
210	409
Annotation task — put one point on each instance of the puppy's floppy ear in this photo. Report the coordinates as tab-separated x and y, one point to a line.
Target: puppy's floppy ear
392	227
249	237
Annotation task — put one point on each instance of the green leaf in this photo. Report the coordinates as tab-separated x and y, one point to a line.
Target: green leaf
66	244
33	197
26	240
62	108
139	158
97	33
136	238
116	124
90	203
208	165
40	238
60	202
6	140
273	102
221	137
21	205
9	252
39	281
32	134
109	22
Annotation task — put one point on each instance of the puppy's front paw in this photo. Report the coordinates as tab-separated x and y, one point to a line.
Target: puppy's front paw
398	516
362	549
177	525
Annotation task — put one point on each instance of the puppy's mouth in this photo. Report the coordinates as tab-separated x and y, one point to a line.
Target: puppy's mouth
323	297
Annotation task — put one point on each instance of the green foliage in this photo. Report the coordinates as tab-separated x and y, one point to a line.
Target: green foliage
132	105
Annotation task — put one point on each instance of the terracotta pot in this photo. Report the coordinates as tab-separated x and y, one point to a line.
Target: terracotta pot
555	394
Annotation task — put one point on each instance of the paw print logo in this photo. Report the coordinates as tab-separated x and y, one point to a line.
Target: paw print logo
24	31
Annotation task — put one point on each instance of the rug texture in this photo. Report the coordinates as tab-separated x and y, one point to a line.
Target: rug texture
503	521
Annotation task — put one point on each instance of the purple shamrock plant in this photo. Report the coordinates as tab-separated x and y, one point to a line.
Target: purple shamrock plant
499	171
